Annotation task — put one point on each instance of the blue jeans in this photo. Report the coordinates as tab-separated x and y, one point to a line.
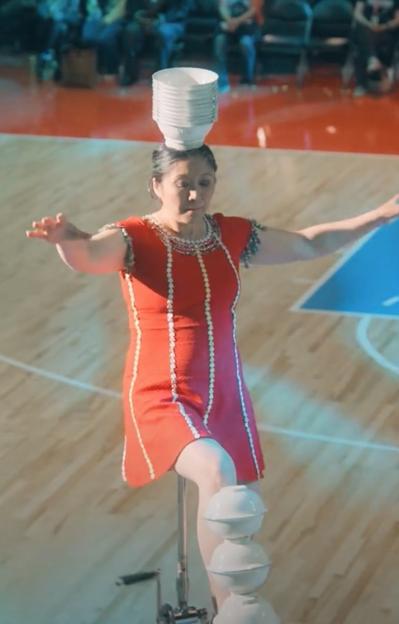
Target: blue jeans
167	33
247	45
106	39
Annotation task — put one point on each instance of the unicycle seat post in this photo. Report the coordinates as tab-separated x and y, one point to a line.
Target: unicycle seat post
182	581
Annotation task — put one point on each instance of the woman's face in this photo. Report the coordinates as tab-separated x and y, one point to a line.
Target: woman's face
186	190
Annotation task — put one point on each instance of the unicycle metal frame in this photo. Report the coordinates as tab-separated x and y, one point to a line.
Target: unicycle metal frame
183	613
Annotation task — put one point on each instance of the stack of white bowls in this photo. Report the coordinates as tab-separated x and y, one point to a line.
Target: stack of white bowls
184	105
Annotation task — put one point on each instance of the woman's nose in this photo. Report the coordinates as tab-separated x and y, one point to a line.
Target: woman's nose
193	194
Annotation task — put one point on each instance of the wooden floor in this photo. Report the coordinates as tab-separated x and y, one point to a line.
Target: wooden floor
69	526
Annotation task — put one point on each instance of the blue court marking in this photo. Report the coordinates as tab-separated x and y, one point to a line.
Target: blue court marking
365	282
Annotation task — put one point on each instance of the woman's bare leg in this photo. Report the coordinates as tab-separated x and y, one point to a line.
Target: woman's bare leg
210	467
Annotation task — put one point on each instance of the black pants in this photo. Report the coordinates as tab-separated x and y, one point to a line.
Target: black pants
369	43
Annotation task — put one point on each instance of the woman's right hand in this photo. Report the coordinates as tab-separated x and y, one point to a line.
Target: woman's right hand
54	230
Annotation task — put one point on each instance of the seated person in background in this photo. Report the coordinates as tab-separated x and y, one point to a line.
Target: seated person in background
57	23
165	20
240	22
18	25
102	29
376	29
51	23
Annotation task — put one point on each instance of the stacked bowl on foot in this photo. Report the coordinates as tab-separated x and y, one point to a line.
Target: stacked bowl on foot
239	565
184	105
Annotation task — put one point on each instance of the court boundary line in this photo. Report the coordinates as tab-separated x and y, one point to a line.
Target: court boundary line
345	257
366	344
292	150
293	433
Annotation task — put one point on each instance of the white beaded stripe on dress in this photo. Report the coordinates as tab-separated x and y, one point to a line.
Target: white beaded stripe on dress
172	341
237	361
134	377
211	341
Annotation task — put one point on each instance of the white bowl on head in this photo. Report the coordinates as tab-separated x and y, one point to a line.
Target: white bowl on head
199	94
184	105
183	121
175	119
181	138
189	78
194	89
186	125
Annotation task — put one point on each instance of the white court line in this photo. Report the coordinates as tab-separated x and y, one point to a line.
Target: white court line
366	345
268	149
296	307
318	437
293	433
68	381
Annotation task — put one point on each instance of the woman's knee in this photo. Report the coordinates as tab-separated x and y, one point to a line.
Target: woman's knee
207	463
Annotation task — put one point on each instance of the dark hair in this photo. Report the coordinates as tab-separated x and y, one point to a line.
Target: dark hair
163	157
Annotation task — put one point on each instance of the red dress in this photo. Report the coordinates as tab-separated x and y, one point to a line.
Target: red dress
183	376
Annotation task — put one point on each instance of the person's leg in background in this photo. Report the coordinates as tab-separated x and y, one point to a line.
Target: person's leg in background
109	47
364	50
220	55
92	27
386	48
132	41
247	45
166	35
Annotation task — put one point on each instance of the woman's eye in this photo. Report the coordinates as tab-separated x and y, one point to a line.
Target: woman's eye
182	184
205	183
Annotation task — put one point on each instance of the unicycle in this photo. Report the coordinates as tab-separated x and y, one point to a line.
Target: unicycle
183	613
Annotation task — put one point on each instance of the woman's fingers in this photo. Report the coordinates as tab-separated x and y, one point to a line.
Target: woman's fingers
36	234
47	228
43	223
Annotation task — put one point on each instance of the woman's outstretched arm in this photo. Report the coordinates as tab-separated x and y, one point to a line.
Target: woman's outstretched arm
279	246
103	252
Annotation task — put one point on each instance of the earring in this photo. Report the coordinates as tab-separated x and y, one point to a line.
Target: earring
150	190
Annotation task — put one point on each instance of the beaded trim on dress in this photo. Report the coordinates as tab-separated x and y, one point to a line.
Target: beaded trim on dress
186	246
253	243
128	262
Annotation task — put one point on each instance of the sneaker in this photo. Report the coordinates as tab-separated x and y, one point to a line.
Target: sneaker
359	91
246	82
224	88
125	80
374	64
391	75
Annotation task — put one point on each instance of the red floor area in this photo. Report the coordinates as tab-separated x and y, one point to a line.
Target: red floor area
276	115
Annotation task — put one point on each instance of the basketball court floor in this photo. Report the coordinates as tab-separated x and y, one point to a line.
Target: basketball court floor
319	341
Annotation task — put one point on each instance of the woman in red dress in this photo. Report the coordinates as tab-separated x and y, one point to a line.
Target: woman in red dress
186	404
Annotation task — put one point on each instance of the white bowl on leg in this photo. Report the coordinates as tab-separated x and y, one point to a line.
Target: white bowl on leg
247	609
235	511
239	567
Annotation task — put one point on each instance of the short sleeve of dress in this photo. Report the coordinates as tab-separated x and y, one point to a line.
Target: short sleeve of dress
241	236
253	243
128	261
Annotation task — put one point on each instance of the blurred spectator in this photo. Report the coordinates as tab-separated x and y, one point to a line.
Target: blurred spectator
102	29
58	21
240	24
164	20
376	31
